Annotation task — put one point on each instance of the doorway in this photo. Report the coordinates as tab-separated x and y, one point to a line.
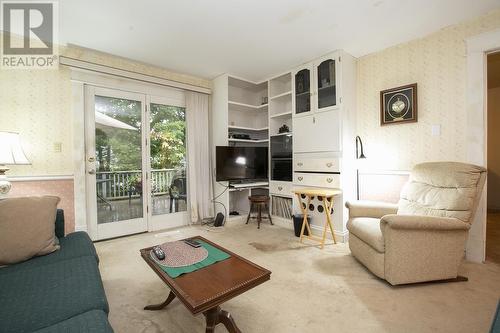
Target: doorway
493	158
135	161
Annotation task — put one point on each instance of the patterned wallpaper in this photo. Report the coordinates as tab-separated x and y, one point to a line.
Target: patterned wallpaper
437	63
37	104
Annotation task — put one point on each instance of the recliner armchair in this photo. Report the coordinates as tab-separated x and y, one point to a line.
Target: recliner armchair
422	238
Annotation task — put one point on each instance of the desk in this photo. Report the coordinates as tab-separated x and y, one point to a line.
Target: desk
328	196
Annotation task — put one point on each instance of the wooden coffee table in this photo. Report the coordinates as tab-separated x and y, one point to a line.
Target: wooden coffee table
204	290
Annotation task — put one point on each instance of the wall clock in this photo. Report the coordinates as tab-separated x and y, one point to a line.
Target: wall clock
398	105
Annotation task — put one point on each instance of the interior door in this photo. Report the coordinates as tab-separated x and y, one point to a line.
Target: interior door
167	162
115	160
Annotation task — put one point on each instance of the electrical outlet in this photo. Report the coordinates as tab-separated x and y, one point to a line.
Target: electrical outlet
57	147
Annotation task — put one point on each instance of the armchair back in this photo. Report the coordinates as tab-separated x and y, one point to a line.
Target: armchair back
445	189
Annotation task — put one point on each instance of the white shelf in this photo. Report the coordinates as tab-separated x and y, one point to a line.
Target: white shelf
281	134
236	106
282	95
280	115
245	140
243	128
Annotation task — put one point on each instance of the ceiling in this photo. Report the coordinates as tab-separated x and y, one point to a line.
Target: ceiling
494	70
252	38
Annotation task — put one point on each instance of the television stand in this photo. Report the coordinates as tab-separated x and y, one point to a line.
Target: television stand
249	184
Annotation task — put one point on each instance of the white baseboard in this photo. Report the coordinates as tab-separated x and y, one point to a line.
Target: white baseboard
81	228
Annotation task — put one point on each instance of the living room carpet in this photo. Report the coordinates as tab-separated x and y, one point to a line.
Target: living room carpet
310	290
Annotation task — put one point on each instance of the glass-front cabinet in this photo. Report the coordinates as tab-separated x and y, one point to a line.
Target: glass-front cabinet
303	91
315	86
326	85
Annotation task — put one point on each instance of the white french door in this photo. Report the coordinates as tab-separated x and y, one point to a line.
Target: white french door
135	162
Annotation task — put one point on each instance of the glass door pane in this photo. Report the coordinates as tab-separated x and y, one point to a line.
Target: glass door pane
303	91
326	84
118	159
167	126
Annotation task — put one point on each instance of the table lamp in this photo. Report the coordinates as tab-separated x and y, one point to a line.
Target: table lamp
11	153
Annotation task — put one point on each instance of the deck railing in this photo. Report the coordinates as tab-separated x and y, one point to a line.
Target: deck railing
125	184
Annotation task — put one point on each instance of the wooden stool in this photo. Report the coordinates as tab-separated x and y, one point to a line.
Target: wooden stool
257	202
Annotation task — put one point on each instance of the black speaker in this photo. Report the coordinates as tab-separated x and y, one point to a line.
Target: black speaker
219	220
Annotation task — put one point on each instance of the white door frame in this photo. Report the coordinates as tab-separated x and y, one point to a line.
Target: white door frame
123	227
477	49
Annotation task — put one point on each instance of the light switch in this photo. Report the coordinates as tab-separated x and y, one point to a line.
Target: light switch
57	147
436	130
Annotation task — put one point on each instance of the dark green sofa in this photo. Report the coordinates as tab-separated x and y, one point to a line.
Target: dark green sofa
58	292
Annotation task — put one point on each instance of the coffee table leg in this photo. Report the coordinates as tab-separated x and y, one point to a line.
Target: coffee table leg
215	316
160	306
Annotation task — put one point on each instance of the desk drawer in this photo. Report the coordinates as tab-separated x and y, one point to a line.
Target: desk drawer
316	180
316	164
280	188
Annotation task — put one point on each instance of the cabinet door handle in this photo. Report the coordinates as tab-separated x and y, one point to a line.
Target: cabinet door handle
300	164
329	180
314	120
329	164
280	188
300	178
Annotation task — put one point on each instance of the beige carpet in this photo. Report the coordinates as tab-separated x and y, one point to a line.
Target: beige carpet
310	290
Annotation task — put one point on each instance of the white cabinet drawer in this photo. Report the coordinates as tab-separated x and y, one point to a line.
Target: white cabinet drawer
316	179
280	188
317	164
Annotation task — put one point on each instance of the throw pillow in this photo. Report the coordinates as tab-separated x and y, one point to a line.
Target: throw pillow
27	228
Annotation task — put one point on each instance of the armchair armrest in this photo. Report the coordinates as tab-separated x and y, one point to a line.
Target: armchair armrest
419	222
373	209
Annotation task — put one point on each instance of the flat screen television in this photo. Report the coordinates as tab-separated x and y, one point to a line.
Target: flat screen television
241	163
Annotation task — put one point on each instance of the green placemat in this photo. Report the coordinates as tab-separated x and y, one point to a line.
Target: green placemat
214	255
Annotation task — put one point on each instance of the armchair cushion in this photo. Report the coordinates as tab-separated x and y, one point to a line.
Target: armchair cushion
445	189
368	230
418	222
372	209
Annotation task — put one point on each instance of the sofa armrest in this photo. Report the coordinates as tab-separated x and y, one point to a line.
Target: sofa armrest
420	222
59	228
373	209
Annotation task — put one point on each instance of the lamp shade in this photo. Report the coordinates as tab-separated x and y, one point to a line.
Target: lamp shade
11	151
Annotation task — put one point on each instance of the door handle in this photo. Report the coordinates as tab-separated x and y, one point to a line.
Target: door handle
92	172
300	178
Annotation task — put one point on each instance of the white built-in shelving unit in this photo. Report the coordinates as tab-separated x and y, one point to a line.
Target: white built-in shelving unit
316	102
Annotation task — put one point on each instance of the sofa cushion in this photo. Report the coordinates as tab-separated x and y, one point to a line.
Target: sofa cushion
27	228
444	189
74	245
41	296
368	230
94	321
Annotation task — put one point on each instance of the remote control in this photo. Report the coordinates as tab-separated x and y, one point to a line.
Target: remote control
192	242
159	253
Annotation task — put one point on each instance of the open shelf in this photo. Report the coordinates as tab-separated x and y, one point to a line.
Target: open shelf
237	106
285	94
249	129
280	134
248	141
281	115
